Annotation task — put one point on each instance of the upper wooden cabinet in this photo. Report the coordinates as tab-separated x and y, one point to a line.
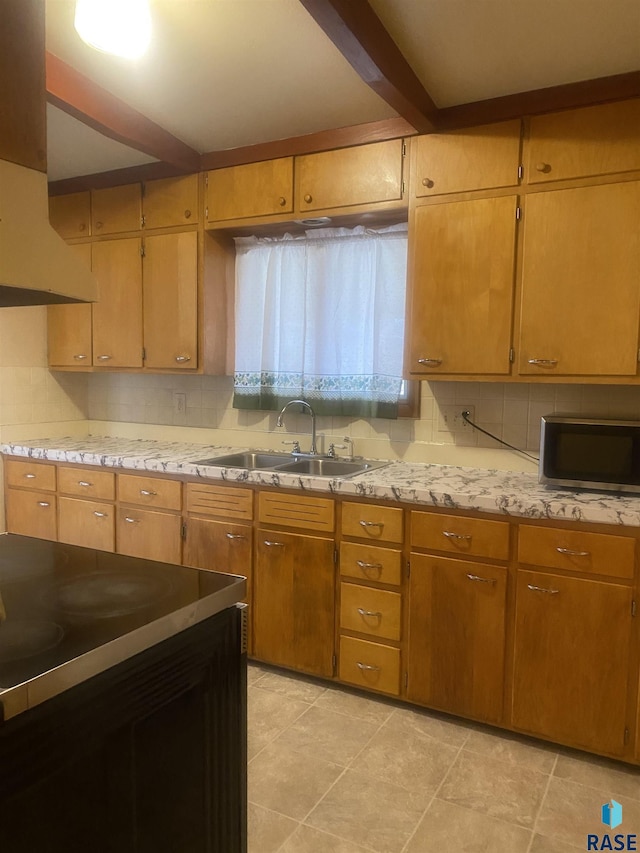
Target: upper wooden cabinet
580	298
70	214
170	201
69	335
476	158
116	209
256	189
598	140
364	174
461	274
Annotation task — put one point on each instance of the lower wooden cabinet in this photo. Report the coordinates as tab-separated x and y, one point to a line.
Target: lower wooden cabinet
149	534
31	513
220	546
293	594
457	625
373	666
90	524
571	661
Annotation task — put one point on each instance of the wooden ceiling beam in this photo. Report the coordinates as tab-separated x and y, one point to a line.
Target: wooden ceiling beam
357	32
76	95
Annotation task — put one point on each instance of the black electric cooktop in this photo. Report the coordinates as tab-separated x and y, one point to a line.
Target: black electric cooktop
67	612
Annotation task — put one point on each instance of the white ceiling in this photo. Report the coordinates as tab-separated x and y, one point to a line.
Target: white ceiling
228	73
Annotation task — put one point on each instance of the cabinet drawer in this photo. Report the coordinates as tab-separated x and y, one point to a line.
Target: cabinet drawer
296	511
370	665
150	491
86	523
453	534
31	513
370	611
372	522
87	484
222	501
150	535
367	562
597	553
31	475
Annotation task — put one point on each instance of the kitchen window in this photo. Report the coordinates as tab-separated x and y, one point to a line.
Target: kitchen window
321	316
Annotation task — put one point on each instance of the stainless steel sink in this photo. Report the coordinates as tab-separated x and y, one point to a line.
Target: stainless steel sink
252	459
329	467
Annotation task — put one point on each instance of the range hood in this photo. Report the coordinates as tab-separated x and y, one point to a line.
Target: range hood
36	265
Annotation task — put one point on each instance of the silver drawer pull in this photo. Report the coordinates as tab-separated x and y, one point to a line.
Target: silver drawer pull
482	580
104	357
372	613
430	361
131	520
271	544
84	483
44	503
367	667
366	566
542	589
236	536
461	536
181	359
372	524
571	553
147	493
30	476
543	362
99	514
80	357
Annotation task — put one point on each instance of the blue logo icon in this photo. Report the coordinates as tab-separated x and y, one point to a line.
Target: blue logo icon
612	814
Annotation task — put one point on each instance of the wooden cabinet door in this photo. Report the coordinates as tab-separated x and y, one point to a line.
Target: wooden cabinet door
170	298
457	636
69	334
571	660
475	158
31	513
116	209
580	274
170	201
364	174
149	534
598	140
294	601
461	287
220	546
117	316
70	214
254	189
89	524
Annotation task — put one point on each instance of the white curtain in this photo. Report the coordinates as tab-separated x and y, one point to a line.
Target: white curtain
322	317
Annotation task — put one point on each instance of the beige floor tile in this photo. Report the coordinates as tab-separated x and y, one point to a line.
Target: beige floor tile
447	828
308	840
344	701
496	788
618	779
254	673
289	782
291	686
434	725
403	754
267	830
328	735
541	844
369	812
524	752
268	714
571	811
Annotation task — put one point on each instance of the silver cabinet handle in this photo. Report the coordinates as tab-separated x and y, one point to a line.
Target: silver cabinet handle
366	566
147	493
84	483
237	536
44	503
99	514
542	589
372	524
30	476
364	612
80	357
571	553
104	357
543	362
430	361
271	544
461	536
482	580
131	520
367	666
182	358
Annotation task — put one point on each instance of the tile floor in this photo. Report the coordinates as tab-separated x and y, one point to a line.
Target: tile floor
335	771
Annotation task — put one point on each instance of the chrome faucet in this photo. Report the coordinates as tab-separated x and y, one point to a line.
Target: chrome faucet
279	422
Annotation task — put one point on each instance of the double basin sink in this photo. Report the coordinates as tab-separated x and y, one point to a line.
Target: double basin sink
287	463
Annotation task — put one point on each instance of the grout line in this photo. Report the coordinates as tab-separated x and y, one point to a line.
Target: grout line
542	799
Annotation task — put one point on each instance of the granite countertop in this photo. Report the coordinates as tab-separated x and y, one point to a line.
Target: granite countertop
447	486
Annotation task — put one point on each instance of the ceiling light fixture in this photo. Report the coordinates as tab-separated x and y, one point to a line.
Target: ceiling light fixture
120	27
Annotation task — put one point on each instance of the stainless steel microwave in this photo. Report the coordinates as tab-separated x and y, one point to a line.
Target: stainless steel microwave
590	453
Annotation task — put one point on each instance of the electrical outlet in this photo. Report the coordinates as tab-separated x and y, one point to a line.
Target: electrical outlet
179	403
451	420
